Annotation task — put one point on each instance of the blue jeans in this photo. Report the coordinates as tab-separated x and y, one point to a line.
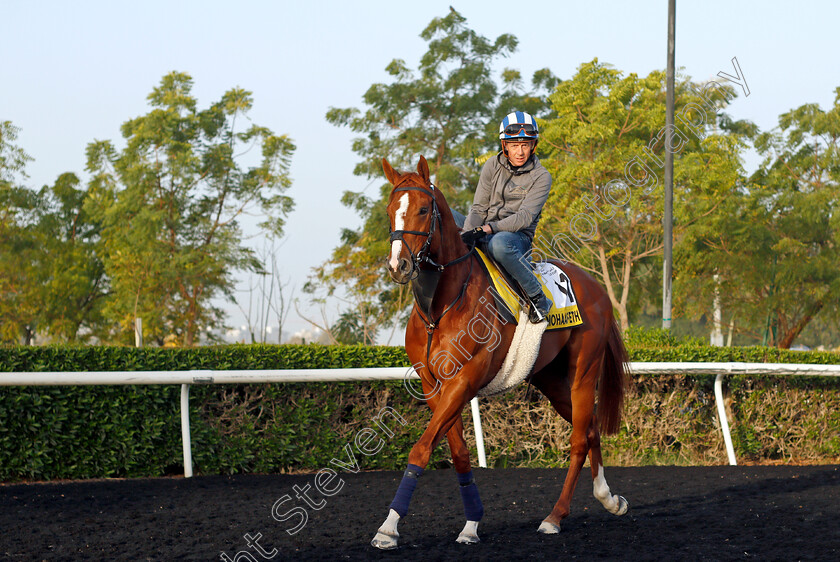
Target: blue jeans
507	248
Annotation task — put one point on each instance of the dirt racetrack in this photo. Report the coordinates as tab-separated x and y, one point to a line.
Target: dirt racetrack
711	513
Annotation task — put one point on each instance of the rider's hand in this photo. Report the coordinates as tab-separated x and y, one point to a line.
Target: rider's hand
470	237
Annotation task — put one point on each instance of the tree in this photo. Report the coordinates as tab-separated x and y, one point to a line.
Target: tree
267	295
50	278
18	310
777	248
449	110
605	150
170	202
363	318
74	282
13	158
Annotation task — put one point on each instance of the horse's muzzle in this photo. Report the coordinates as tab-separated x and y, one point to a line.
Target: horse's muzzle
402	274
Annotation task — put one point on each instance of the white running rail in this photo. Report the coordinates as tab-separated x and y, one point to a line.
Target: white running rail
734	368
186	378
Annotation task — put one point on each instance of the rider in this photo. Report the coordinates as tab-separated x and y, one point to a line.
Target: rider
511	192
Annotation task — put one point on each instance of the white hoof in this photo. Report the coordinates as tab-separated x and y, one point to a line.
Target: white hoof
384	541
386	537
548	528
470	534
468	539
623	506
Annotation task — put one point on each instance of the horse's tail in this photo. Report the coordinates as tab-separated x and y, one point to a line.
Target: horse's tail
613	382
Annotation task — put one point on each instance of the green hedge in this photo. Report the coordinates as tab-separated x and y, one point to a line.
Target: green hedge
643	345
659	345
127	431
51	432
62	358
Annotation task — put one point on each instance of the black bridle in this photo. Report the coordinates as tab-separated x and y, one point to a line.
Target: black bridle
423	256
425	287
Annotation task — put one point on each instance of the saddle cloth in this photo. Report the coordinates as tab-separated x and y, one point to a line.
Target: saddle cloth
520	357
555	284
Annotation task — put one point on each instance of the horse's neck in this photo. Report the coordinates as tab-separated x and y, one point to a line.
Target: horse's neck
433	290
451	246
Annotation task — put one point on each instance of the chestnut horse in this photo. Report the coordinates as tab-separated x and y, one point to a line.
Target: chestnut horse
451	294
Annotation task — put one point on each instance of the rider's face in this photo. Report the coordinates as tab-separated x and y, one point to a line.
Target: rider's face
518	152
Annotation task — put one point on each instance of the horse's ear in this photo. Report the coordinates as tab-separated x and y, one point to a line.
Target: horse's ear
423	169
390	173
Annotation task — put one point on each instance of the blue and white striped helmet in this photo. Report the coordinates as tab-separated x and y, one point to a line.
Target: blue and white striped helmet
519	125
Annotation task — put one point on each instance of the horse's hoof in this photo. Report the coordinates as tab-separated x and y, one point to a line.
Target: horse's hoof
465	538
548	528
623	506
385	542
468	539
469	535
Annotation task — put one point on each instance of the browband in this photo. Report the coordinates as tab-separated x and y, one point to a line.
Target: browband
412	188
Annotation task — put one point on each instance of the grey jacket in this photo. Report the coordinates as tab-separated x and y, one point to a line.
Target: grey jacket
508	199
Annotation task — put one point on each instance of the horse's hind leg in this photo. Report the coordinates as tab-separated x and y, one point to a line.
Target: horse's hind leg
557	389
615	504
574	399
582	405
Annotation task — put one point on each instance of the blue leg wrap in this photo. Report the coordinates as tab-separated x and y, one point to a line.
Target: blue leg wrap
469	494
406	489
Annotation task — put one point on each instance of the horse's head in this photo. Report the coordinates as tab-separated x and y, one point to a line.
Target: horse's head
415	220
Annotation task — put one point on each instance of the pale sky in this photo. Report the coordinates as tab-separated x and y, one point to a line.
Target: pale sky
74	72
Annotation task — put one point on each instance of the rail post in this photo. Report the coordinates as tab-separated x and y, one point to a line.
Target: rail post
185	430
724	422
479	434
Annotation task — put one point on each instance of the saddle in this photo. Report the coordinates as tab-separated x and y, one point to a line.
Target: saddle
510	297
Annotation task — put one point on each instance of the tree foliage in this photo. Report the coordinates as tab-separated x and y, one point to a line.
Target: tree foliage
75	286
170	203
156	233
51	281
605	149
448	110
776	249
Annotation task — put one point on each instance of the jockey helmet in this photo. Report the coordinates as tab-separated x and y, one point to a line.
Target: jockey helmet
519	126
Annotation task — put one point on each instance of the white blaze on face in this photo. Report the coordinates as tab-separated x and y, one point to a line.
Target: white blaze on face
399	224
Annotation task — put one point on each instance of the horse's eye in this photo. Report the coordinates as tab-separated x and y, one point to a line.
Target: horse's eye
424	211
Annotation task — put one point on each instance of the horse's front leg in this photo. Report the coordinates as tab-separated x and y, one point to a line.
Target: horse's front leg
451	400
473	509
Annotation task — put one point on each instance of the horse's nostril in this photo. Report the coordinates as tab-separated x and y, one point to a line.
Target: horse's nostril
405	265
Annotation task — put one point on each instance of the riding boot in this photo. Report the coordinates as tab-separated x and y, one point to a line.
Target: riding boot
540	305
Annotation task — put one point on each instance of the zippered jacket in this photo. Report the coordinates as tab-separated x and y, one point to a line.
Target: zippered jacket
510	199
